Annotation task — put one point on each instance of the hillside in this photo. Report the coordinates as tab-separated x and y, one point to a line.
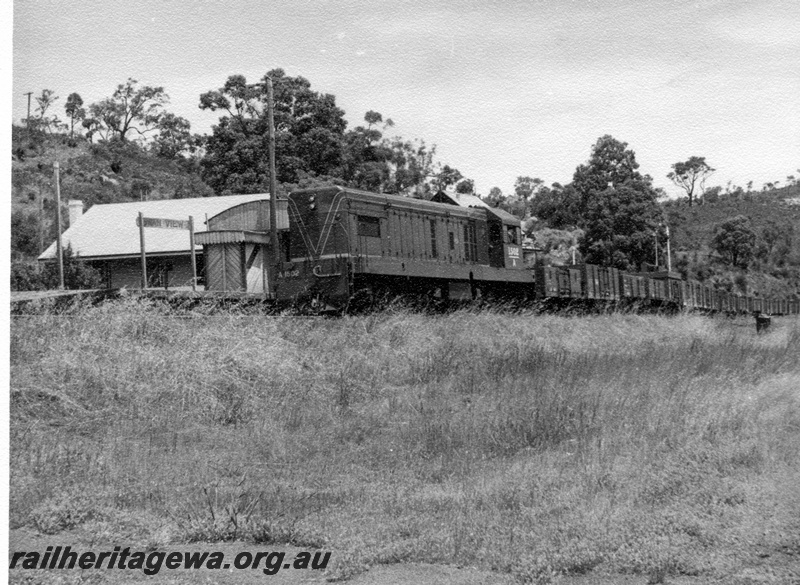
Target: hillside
93	173
693	227
774	217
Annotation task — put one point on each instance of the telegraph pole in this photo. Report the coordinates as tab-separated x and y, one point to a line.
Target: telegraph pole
59	249
28	121
41	220
655	256
669	255
273	194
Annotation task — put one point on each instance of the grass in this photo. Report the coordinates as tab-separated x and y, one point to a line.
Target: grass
532	445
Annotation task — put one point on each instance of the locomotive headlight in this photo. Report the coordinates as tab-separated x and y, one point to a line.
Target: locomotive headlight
311	198
312	206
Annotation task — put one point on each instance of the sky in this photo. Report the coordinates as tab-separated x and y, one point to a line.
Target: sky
502	88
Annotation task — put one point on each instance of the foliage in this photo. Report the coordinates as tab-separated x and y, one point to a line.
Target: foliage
466	186
413	165
620	224
557	245
41	121
446	177
366	156
610	164
690	174
495	197
526	187
44	276
174	137
735	239
618	207
309	130
75	111
25	233
558	206
130	108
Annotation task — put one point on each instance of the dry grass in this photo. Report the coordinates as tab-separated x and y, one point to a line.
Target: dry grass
535	445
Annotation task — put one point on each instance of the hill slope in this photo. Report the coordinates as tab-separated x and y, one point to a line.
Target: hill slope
93	173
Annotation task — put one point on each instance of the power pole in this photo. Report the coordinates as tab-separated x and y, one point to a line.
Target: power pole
28	120
59	249
669	255
41	220
272	270
655	256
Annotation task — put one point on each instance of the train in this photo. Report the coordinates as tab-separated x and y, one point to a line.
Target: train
340	247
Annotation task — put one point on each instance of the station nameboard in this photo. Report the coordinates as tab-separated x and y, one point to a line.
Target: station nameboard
155	222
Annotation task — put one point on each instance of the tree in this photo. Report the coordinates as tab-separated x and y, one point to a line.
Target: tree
466	186
620	224
42	121
525	187
691	174
173	137
309	133
712	195
412	164
75	110
616	205
24	234
447	176
734	240
558	206
367	157
610	164
130	108
495	197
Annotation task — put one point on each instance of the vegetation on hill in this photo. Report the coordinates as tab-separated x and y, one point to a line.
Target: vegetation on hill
659	447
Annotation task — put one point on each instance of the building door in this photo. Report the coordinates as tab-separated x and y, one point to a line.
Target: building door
255	268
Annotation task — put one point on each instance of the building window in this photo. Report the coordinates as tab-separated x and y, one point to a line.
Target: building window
369	226
470	242
434	250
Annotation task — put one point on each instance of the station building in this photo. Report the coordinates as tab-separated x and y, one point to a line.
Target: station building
107	237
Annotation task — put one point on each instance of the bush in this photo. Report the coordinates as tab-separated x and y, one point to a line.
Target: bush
34	276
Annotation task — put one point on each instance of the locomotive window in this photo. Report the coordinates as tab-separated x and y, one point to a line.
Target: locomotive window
434	250
511	235
369	226
452	241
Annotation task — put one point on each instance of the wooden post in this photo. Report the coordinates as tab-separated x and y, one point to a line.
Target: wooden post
59	248
655	256
194	259
141	245
669	253
41	220
272	267
28	119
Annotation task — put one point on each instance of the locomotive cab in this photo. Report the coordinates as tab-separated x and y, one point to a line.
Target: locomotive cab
505	240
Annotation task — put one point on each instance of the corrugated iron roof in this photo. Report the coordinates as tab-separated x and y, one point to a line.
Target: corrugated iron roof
110	230
466	200
460	199
505	216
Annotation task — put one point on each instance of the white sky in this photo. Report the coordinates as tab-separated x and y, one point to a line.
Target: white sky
503	88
